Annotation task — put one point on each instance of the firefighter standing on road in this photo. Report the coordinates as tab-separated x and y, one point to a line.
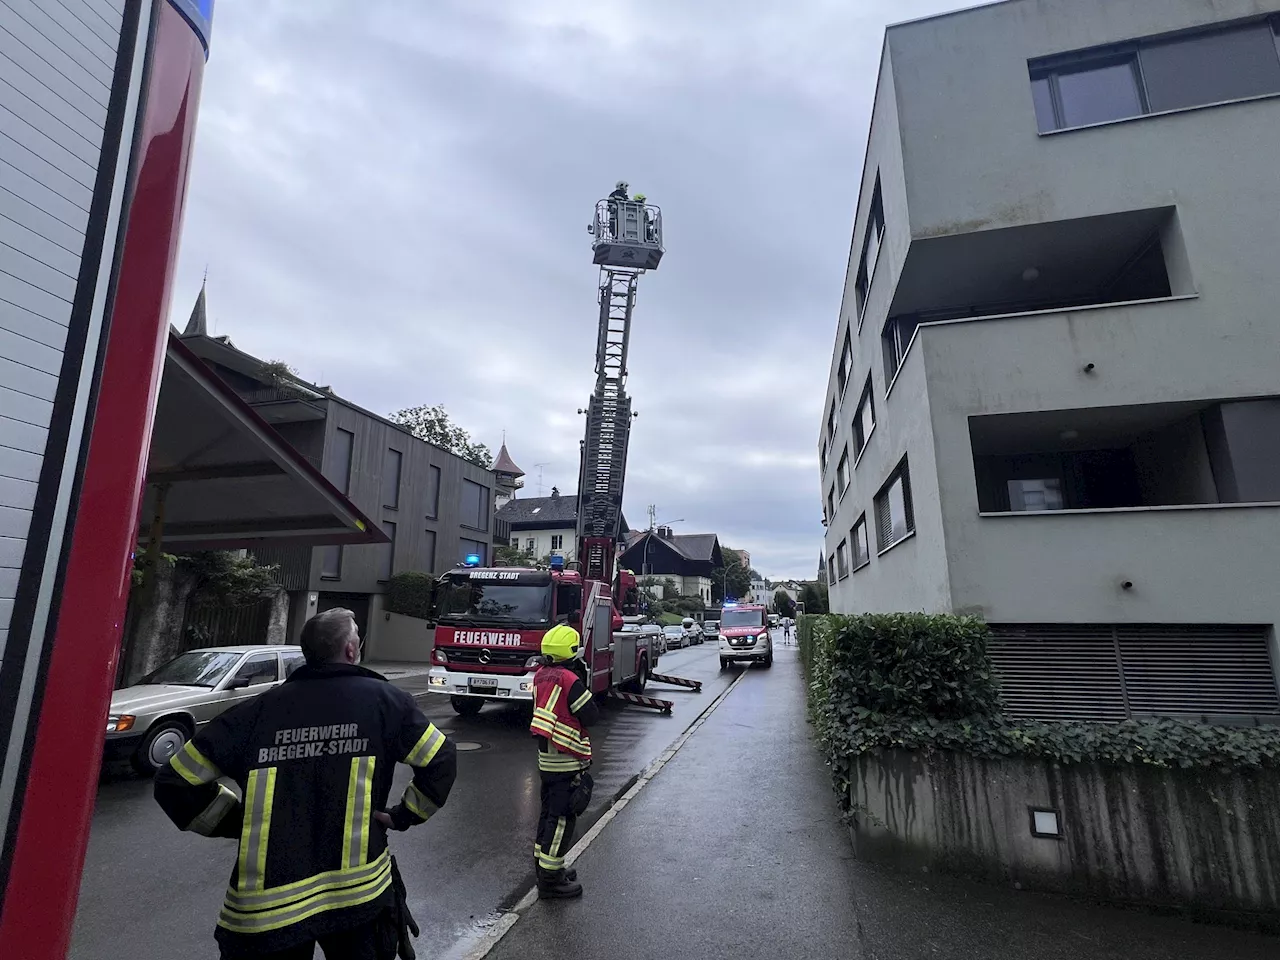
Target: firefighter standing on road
562	710
314	759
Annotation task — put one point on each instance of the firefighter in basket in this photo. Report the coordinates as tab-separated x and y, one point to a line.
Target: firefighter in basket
562	710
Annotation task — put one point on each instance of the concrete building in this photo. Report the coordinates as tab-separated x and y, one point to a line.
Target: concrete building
435	507
1054	399
761	592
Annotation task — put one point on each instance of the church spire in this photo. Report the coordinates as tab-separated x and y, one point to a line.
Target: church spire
198	325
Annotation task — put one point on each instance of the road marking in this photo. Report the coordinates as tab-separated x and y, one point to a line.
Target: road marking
508	920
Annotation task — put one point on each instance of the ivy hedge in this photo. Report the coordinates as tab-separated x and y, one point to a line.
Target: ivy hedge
412	594
925	682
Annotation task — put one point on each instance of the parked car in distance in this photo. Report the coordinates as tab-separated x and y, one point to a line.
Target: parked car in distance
656	629
676	636
710	629
151	720
774	621
692	632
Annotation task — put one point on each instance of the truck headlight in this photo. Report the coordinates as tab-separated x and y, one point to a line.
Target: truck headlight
533	662
436	681
120	722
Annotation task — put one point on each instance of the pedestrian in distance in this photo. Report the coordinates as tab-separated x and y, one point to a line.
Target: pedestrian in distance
562	711
786	632
313	760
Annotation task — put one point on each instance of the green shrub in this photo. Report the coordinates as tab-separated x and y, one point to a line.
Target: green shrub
921	682
411	594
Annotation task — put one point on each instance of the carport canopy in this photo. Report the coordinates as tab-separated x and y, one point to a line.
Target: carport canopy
222	478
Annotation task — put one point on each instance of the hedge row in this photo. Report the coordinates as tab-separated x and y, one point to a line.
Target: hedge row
412	594
922	682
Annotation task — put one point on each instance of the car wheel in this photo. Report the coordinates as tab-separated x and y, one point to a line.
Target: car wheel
768	661
466	706
158	747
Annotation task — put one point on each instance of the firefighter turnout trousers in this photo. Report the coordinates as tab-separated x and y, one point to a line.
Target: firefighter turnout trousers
557	820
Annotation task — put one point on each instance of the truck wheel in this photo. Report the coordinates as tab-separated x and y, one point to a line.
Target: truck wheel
162	742
466	706
637	684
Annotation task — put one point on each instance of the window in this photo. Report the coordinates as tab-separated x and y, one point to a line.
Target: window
1036	494
391	461
861	546
870	249
529	545
387	558
842	472
429	551
831	568
557	541
1151	76
331	562
292	661
864	420
432	495
895	340
831	503
259	668
472	547
842	559
824	456
475	505
344	444
895	519
831	420
846	361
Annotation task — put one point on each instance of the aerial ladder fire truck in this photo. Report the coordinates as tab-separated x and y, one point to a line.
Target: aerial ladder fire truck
490	620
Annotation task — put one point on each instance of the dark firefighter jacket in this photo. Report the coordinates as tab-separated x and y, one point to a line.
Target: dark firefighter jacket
562	710
313	759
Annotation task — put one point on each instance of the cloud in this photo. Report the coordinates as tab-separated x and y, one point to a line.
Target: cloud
392	196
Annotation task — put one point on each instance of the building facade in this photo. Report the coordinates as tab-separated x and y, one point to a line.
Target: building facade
1054	399
687	559
435	507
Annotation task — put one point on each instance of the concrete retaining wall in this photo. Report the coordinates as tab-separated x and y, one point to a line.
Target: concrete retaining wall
395	637
1196	840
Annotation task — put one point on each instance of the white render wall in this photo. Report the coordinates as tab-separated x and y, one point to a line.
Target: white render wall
542	542
956	90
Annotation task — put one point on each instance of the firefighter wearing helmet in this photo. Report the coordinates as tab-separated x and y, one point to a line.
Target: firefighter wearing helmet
562	710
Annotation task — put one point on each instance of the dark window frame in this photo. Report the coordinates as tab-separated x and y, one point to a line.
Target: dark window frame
831	568
387	561
885	540
895	345
485	506
842	560
1051	68
859	524
844	371
343	483
831	503
429	541
844	475
392	463
864	278
860	438
432	495
324	553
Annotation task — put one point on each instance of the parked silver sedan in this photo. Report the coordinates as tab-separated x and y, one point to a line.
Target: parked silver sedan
150	721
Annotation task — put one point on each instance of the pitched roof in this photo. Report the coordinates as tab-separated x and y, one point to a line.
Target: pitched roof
563	509
696	546
504	463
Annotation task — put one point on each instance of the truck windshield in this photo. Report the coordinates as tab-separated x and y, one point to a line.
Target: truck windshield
741	618
504	602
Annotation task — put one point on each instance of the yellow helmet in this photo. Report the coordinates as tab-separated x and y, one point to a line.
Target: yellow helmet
561	643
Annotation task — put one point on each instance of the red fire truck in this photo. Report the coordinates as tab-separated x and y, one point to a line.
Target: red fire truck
491	619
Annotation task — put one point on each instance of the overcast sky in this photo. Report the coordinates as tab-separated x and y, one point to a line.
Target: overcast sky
392	196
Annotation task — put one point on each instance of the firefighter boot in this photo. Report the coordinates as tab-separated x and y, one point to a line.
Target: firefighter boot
555	885
570	874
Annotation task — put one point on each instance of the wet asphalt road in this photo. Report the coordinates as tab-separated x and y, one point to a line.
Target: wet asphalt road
150	892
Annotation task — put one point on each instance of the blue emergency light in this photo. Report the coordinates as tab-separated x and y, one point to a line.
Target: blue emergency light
557	562
473	560
729	603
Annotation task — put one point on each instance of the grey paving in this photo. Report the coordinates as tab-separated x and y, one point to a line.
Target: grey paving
150	892
735	851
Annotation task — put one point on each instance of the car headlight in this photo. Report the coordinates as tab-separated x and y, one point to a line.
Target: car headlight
120	722
722	638
763	637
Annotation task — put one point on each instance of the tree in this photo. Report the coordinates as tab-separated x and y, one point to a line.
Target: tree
733	579
509	556
783	605
814	597
433	425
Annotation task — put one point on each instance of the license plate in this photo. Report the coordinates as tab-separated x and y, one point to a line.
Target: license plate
484	683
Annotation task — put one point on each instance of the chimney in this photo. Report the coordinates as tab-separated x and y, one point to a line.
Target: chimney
664	533
555	493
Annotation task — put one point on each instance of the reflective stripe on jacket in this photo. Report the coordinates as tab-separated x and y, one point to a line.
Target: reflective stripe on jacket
553	711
